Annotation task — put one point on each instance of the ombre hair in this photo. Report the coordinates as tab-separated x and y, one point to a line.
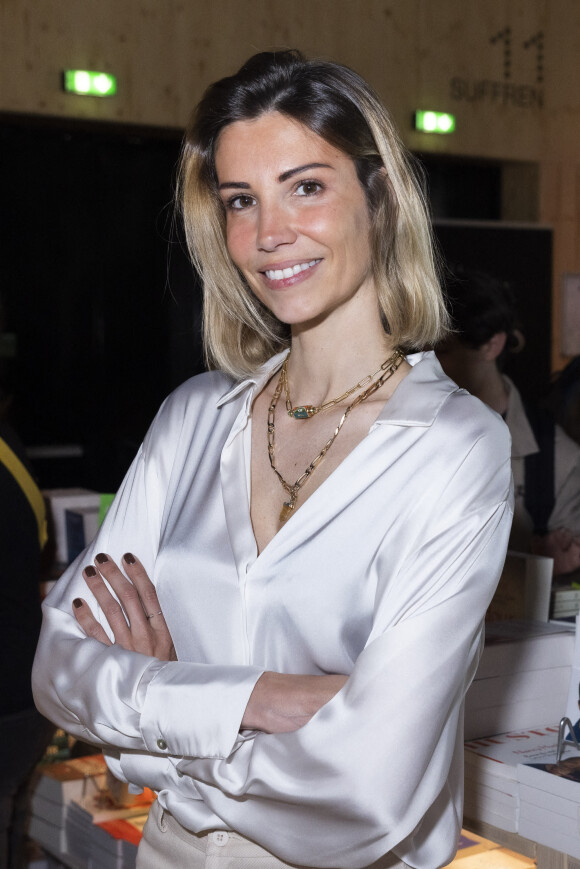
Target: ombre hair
331	100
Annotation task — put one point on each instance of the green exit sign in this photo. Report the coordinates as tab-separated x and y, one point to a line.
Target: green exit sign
434	122
88	83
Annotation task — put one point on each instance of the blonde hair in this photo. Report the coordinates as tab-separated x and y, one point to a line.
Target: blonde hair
240	334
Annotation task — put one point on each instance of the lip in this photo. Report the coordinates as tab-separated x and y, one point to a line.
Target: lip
300	276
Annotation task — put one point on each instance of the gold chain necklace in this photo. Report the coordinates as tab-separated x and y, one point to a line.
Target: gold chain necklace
305	411
388	368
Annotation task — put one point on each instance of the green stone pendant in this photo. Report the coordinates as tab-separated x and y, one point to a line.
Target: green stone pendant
304	412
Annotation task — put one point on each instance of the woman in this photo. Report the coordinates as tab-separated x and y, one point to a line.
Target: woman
323	528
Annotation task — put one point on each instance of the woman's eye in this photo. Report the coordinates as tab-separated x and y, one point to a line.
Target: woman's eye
308	188
239	202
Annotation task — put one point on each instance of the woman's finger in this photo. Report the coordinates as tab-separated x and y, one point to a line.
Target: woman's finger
112	610
126	591
146	590
162	640
134	615
87	621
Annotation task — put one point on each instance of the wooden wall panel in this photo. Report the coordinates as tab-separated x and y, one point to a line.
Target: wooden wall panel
166	51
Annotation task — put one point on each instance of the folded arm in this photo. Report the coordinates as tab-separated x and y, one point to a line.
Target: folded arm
279	702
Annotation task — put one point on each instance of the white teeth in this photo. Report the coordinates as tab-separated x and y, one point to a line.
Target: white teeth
280	274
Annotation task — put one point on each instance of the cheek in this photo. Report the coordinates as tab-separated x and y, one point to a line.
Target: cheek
354	225
238	243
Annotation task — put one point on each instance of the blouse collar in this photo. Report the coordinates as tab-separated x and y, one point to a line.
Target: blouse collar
415	402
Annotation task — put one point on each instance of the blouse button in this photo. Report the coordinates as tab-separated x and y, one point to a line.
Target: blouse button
161	745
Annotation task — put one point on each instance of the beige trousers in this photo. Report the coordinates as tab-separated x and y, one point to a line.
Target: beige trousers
167	845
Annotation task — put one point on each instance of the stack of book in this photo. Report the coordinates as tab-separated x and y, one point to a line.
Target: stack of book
57	786
76	816
549	797
104	838
491	783
114	843
523	677
513	782
565	602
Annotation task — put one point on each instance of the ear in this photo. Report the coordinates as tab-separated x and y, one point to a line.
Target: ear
494	347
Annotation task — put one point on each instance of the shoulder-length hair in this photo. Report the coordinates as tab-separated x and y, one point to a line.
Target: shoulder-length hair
331	100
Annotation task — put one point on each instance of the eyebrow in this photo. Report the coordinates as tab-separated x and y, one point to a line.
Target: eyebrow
290	172
242	185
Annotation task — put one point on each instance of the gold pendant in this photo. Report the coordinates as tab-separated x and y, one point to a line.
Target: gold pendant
286	511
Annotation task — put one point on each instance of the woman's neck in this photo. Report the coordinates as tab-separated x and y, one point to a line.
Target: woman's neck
323	363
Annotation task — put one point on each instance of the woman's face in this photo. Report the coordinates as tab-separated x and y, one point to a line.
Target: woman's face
297	219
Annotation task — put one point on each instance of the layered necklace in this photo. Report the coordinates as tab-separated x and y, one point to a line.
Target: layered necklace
387	369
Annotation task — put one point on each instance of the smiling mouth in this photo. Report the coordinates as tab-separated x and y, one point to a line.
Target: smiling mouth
281	274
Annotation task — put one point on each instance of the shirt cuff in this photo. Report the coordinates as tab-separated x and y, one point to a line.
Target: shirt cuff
195	710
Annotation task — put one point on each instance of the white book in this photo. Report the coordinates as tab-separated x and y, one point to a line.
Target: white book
542	816
550	800
50	836
48	810
489	816
490	813
500	788
566	593
553	780
513	716
510	749
511	647
502	799
533	796
545	834
515	687
491	773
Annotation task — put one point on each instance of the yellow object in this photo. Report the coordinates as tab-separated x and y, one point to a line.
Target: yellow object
28	486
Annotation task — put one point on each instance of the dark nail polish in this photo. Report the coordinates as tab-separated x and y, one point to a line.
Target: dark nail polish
129	558
90	571
101	558
77	602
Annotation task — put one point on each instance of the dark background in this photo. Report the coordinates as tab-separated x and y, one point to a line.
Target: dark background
97	288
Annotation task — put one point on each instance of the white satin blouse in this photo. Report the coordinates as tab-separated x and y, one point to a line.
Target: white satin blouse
384	574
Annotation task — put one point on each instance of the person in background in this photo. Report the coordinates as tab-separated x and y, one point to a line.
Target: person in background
24	732
304	549
564	398
545	461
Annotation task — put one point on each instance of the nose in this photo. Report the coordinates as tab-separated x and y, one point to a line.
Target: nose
274	227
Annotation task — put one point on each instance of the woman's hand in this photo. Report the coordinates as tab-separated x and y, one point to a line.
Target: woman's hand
282	702
137	621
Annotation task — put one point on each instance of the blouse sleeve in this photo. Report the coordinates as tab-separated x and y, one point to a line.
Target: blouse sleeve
105	694
379	768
